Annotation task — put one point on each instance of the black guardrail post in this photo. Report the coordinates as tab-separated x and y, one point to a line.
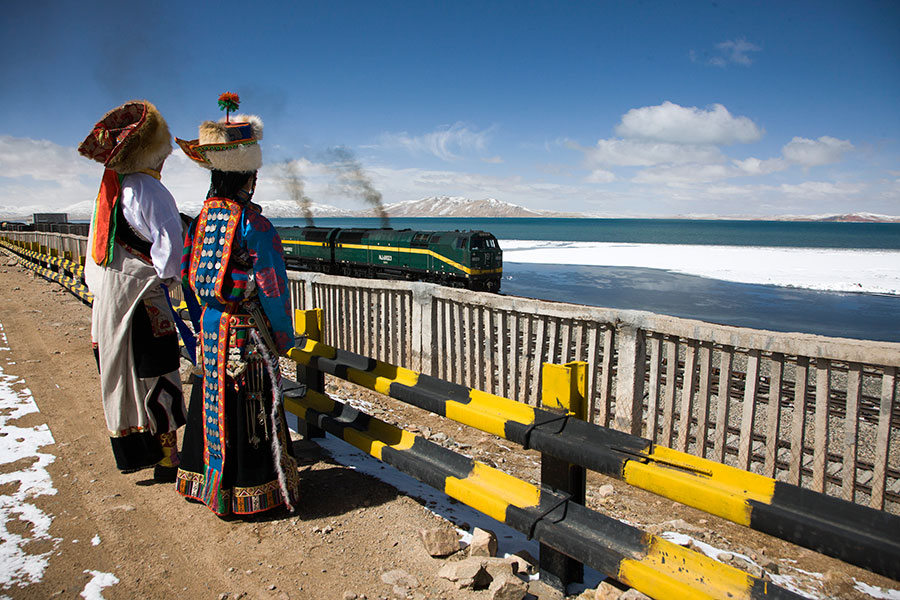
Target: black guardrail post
309	324
562	393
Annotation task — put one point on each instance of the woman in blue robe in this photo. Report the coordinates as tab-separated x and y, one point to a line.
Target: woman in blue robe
236	456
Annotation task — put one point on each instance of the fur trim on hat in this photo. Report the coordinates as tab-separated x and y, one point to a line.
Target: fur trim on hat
230	147
145	147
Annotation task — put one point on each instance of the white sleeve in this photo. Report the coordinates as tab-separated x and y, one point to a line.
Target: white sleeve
151	210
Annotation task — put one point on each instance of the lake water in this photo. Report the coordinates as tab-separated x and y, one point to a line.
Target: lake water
796	234
776	308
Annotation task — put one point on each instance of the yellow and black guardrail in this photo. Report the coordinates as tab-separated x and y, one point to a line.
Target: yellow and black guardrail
36	261
653	565
853	533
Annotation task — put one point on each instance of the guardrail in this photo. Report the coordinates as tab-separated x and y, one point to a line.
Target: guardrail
853	533
63	271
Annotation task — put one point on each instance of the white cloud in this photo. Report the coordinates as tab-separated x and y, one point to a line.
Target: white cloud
811	153
736	51
641	153
684	175
820	189
755	166
43	161
672	123
42	176
600	176
447	143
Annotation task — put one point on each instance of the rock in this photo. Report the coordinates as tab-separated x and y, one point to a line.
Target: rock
543	591
530	562
350	596
439	541
743	565
469	573
484	543
633	594
508	587
606	591
605	490
725	557
771	566
500	567
400	578
673	525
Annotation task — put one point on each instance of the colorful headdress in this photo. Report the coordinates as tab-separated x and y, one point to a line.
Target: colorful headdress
129	138
230	144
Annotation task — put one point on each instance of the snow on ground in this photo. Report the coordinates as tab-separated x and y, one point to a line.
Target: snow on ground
26	481
94	588
842	270
21	446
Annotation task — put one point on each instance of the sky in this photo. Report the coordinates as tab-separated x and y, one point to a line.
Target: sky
644	109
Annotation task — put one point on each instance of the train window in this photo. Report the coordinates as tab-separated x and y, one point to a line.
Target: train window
420	239
461	242
480	243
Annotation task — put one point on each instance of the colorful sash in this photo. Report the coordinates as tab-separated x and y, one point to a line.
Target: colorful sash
104	226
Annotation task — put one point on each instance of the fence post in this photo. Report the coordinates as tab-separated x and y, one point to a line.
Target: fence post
421	318
630	379
310	323
563	390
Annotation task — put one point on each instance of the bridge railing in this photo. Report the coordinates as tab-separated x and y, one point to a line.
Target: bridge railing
813	411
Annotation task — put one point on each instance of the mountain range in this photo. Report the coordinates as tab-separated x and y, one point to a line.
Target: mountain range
458	207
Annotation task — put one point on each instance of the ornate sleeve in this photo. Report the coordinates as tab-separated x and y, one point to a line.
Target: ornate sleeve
267	255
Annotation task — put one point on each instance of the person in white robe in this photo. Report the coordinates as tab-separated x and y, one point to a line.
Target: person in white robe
135	247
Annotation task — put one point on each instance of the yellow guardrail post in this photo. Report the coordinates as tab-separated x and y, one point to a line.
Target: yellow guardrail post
563	391
310	324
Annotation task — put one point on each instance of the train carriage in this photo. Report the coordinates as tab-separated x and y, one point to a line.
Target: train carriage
470	259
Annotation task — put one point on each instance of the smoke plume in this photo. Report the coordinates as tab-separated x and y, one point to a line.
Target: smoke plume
351	176
293	183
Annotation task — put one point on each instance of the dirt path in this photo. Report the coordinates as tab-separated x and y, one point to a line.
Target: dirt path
349	530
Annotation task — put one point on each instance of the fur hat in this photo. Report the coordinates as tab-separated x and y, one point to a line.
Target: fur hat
230	144
129	138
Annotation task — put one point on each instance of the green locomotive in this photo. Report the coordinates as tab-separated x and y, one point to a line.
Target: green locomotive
469	259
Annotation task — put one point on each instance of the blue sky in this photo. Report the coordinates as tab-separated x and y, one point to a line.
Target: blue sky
617	109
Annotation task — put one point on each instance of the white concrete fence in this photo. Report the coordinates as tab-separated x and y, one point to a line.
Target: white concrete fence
697	387
694	386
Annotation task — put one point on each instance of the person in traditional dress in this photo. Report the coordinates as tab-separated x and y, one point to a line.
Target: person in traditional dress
236	457
135	249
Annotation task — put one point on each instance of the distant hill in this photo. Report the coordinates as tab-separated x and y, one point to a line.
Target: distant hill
458	206
852	218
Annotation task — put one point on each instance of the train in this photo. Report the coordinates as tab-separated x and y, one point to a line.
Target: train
466	259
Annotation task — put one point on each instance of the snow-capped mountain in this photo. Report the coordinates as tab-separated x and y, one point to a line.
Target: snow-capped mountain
288	209
455	206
